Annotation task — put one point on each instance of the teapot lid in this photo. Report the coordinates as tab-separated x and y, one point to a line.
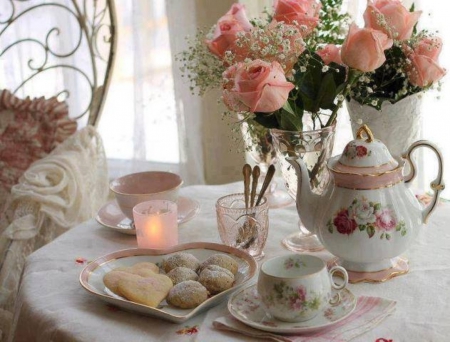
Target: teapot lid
365	152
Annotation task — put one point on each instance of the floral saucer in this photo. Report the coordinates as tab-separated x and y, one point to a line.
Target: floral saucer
400	267
112	217
245	305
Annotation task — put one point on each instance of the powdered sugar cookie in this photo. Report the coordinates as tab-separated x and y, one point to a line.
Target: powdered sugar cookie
221	260
187	294
216	279
180	274
180	259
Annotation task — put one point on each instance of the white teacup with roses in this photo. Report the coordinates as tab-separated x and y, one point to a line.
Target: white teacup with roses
296	287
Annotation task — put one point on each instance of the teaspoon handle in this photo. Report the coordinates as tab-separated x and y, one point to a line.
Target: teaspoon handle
247	170
255	176
267	179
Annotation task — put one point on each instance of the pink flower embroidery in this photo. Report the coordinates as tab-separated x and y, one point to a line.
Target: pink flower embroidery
343	223
188	330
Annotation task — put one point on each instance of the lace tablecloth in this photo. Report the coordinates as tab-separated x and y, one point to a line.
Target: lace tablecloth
52	306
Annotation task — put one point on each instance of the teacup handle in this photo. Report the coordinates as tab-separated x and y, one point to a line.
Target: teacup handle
337	297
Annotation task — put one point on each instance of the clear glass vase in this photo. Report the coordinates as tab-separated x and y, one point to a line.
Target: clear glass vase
258	142
314	148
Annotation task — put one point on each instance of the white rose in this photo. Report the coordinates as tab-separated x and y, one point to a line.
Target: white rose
362	212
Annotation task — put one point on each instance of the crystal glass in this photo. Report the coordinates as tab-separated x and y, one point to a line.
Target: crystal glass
314	148
258	142
246	229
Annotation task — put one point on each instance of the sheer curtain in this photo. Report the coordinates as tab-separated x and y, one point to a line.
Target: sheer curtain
207	150
151	120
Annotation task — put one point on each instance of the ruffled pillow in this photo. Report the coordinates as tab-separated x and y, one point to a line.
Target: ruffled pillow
29	130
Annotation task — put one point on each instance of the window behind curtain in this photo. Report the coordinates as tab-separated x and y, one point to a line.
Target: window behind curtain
138	124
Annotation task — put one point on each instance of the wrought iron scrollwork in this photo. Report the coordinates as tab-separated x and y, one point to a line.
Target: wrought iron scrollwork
92	44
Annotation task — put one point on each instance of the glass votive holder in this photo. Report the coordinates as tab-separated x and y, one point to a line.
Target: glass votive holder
245	229
156	224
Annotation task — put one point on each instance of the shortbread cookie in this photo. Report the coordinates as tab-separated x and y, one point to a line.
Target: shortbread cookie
111	280
143	269
179	274
216	279
146	265
221	260
180	259
148	291
187	294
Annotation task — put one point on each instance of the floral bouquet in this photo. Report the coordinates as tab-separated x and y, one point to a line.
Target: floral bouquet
410	64
300	59
273	69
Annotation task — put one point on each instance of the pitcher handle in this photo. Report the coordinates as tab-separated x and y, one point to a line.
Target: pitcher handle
437	185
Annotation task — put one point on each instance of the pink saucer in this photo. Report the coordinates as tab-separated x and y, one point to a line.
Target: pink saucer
400	267
112	217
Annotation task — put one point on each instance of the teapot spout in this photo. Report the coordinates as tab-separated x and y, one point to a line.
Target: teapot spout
307	202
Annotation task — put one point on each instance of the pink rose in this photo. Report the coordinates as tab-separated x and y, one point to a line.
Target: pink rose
330	53
257	86
363	49
229	97
298	298
391	17
386	219
361	151
227	28
304	12
424	68
237	11
343	223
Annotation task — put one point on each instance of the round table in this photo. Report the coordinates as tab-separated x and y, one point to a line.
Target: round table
52	305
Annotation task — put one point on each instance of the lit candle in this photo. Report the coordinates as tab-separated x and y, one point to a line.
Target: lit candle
156	224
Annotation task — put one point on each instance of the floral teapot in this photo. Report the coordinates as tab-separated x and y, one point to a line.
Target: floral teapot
367	216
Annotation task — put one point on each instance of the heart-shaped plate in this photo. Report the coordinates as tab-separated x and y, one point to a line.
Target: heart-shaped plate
91	277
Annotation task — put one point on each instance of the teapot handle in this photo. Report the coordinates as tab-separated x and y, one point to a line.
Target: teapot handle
437	185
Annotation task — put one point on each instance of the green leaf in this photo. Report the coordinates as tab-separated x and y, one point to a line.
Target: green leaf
382	236
377	206
398	228
370	231
330	227
287	107
388	236
403	232
266	120
361	227
326	94
314	304
289	121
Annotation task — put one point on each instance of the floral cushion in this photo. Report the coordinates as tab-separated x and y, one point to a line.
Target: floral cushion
29	130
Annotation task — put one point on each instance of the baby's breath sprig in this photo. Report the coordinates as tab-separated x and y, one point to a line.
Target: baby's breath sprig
333	25
202	69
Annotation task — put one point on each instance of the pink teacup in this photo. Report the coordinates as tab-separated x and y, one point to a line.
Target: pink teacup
139	187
